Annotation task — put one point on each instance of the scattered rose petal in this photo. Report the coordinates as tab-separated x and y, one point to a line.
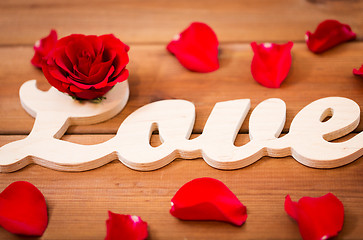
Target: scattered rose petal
318	218
207	199
328	34
23	209
271	63
125	227
42	47
196	48
358	72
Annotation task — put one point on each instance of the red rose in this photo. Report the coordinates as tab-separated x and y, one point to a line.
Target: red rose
86	67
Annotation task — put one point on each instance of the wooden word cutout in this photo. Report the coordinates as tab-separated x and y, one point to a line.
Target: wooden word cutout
307	140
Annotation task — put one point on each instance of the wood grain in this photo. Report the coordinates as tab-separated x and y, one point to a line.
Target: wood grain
79	202
158	21
156	75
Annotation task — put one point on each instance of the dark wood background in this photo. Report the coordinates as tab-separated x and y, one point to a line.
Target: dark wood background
78	202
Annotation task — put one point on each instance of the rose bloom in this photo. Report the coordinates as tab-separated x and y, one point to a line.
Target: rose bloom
86	67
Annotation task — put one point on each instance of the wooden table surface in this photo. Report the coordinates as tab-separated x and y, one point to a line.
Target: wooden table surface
78	202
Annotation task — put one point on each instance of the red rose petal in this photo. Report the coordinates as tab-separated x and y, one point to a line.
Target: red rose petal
51	70
43	47
77	48
120	62
124	74
61	60
196	48
328	34
111	41
207	199
125	227
318	218
358	72
99	66
23	209
271	63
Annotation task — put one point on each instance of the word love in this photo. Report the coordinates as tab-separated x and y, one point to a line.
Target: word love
307	140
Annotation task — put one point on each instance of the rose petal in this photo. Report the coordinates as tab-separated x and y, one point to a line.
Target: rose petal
120	61
88	94
120	78
42	47
100	63
110	40
48	70
196	48
328	34
77	48
125	227
358	72
61	59
318	218
207	199
56	73
23	209
99	85
271	63
65	40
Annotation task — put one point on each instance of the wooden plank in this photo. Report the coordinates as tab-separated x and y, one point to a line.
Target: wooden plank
155	75
79	202
158	21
